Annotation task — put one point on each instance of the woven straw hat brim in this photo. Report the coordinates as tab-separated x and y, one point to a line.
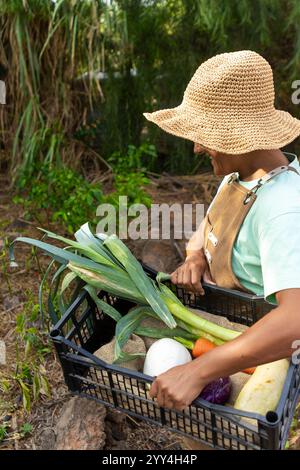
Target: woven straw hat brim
273	130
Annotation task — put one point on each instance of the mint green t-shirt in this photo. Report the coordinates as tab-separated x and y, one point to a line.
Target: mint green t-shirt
266	253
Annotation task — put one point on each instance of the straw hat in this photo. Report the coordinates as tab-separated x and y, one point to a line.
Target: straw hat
228	106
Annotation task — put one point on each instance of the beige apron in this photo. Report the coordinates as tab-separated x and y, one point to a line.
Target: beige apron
222	225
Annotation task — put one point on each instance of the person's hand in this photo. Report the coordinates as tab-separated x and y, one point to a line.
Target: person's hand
177	387
190	273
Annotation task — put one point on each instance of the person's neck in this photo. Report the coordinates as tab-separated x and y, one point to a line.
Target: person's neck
256	164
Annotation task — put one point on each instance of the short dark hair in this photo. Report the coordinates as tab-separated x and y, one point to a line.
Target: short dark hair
3	72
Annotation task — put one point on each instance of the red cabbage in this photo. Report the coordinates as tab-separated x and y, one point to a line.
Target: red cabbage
218	391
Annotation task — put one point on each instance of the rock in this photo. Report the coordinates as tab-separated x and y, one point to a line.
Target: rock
115	416
160	255
46	439
116	429
2	353
115	433
81	425
120	445
118	434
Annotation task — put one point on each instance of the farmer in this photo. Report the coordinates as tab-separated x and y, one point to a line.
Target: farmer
250	237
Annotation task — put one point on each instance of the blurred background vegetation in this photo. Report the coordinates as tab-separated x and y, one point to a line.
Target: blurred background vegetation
81	73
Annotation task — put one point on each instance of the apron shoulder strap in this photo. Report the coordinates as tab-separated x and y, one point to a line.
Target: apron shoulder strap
268	176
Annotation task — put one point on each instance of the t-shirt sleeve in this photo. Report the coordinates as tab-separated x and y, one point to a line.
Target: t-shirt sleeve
279	245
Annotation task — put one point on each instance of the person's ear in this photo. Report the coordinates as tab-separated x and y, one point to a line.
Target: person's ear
198	148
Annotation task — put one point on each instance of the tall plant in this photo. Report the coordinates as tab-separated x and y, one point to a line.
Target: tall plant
46	46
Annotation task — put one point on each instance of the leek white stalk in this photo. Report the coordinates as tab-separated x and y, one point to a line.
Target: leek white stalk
184	314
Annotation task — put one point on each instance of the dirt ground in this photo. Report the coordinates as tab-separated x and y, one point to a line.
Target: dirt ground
19	283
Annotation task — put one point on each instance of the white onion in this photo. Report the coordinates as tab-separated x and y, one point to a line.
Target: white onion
163	355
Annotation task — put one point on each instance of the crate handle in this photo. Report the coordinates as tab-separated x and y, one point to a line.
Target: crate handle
210	287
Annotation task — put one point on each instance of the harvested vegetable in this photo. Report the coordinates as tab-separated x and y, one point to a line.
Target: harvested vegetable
263	390
250	370
163	355
105	263
218	391
202	346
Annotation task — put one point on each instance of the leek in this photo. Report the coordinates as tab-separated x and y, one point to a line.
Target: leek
184	314
105	263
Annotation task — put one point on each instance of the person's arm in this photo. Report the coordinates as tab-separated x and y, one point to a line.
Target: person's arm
196	242
268	340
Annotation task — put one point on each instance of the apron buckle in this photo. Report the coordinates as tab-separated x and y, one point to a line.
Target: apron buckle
232	178
248	198
208	256
212	238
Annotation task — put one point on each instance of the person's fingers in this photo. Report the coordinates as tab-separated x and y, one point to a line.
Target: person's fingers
160	398
154	389
191	279
180	275
187	276
180	406
168	403
196	283
174	276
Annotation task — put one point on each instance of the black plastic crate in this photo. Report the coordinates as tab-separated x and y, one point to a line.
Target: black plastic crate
83	329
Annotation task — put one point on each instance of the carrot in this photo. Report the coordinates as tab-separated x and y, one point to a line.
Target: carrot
202	346
249	371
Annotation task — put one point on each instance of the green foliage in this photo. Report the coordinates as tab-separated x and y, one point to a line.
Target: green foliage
31	349
62	195
3	431
3	259
136	158
132	186
26	429
58	193
129	174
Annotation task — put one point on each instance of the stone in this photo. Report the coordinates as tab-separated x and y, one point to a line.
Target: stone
160	255
120	445
115	416
81	425
46	439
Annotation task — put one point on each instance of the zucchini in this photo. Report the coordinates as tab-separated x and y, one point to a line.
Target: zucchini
262	391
